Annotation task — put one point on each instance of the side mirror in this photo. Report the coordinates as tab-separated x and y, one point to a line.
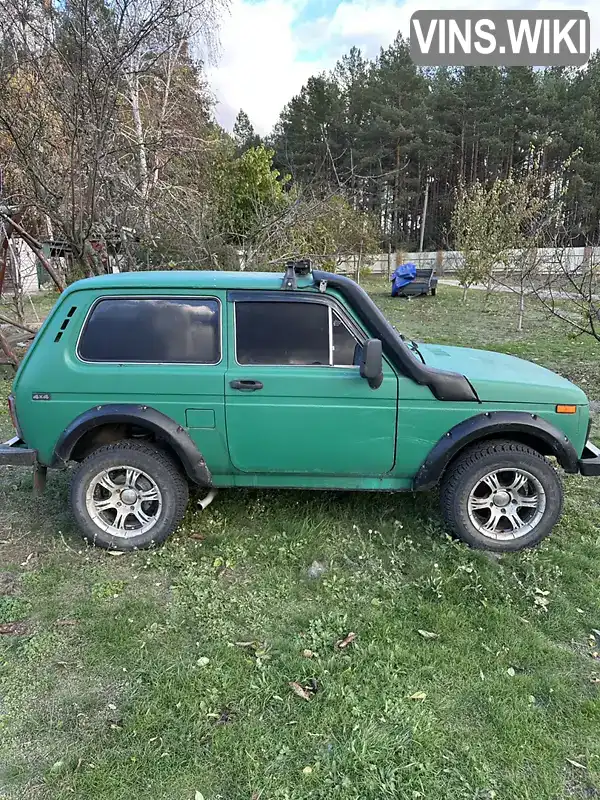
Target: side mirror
371	363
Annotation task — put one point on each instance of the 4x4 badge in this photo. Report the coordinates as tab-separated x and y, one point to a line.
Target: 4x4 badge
41	396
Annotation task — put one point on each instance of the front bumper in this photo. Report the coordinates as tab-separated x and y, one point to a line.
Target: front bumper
14	454
589	463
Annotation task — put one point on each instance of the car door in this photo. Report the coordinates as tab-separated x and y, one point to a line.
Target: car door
294	398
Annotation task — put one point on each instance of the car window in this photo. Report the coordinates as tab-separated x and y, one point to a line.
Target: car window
273	332
156	330
344	343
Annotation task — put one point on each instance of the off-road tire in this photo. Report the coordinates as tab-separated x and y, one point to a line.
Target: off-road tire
155	463
463	474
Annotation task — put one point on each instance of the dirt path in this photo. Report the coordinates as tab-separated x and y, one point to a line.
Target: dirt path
544	293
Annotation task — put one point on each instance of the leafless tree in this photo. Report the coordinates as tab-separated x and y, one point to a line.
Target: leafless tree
569	288
89	119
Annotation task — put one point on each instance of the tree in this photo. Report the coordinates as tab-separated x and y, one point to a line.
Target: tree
573	295
97	100
251	198
332	232
243	133
478	234
379	130
502	225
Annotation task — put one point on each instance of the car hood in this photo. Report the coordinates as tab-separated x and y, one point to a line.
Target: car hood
500	378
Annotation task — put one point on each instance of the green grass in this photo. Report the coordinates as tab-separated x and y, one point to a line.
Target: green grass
164	674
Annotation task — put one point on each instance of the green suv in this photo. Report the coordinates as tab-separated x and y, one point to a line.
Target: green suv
153	381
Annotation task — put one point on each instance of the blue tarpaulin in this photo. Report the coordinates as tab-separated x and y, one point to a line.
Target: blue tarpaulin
402	275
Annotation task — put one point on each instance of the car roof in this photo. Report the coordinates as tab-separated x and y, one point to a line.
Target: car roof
184	279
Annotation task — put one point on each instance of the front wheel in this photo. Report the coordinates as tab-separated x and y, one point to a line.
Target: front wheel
502	496
128	496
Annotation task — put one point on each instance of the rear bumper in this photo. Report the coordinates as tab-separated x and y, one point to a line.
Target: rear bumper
14	454
589	463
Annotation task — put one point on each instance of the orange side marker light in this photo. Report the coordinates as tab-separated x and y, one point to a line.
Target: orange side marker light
564	409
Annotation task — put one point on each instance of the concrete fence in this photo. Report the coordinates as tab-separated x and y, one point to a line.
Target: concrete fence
446	262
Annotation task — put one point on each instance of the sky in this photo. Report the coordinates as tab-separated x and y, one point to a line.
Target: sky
269	48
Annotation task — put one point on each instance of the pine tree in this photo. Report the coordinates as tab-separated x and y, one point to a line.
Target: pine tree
244	134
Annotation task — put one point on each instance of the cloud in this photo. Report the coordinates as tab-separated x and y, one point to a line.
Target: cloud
269	48
260	67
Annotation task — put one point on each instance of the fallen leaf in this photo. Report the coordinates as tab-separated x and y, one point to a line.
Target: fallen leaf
542	592
576	764
13	628
65	622
345	642
418	696
541	601
307	653
307	771
428	634
116	552
203	661
510	671
198	536
300	691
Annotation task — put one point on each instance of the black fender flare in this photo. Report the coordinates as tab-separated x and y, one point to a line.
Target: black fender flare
160	424
496	424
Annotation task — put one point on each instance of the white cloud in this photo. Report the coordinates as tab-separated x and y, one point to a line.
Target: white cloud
268	53
259	69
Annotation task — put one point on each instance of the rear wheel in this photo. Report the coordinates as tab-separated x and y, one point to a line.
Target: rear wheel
501	496
128	496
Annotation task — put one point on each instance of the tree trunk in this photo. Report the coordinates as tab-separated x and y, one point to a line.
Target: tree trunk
490	281
15	264
142	157
9	352
464	295
521	308
17	324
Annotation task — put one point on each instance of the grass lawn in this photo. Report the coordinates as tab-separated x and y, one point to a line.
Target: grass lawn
166	675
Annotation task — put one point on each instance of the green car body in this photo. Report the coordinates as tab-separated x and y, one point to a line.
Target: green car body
315	426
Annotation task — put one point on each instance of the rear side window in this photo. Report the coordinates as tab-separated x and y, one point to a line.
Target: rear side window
155	330
300	334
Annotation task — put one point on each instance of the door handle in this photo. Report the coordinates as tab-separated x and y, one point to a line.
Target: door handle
246	386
